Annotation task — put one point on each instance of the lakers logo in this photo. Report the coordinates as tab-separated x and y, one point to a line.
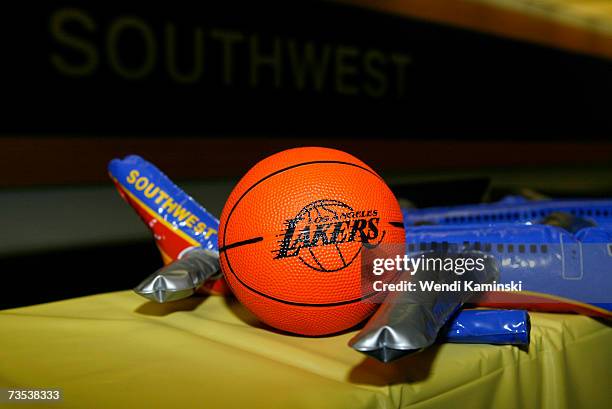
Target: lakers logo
328	235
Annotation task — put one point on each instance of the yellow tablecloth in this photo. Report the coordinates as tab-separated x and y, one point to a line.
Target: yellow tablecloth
117	351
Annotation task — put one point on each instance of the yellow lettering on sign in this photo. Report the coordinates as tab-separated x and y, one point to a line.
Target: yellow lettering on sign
210	232
172	60
308	64
169	204
117	28
150	191
87	50
199	228
229	39
181	213
162	195
132	176
377	83
401	61
141	183
271	60
346	70
191	220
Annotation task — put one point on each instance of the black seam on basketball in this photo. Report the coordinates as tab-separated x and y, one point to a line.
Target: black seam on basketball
315	258
322	270
240	243
340	254
397	224
283	170
251	188
303	304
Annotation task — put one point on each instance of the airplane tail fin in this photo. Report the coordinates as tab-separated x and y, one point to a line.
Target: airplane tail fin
178	223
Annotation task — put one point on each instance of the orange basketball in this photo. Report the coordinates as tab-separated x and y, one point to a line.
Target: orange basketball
291	237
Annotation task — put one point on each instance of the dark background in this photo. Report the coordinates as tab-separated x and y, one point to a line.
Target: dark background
479	116
459	84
